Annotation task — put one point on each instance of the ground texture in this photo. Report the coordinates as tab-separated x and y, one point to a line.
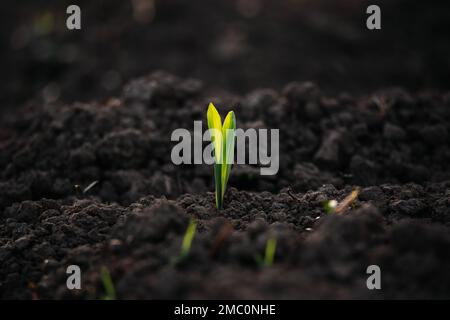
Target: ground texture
392	144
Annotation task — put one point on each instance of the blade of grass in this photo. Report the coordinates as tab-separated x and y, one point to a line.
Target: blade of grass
228	132
269	256
188	238
107	284
215	129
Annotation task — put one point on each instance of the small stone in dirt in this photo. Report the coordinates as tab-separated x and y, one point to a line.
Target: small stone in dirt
434	135
393	132
28	211
364	171
371	193
22	243
411	207
115	245
328	152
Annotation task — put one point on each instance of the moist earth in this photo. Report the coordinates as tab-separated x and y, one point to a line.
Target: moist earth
391	144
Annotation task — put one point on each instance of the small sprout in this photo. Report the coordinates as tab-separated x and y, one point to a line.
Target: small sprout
333	206
222	137
271	247
77	189
269	254
186	244
187	239
330	206
90	186
107	284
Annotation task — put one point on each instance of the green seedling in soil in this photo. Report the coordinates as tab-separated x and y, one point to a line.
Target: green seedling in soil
107	284
188	238
222	138
187	242
269	254
332	206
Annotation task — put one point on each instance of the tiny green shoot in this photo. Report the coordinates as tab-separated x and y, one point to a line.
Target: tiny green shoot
332	206
107	284
188	238
269	253
222	137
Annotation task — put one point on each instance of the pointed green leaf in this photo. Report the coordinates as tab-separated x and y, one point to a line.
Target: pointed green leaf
271	247
188	237
228	132
215	126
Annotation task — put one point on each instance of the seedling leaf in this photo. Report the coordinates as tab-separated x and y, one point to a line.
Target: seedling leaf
269	256
107	284
228	131
215	129
330	206
188	237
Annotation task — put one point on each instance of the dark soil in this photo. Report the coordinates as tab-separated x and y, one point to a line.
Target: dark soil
393	144
227	44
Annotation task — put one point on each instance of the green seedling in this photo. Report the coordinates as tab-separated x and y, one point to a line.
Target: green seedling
269	254
188	238
107	284
332	206
187	243
222	137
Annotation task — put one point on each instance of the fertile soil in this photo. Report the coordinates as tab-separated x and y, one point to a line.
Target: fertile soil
391	144
86	109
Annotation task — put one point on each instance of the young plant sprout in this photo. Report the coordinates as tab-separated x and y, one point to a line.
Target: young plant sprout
222	137
269	254
186	244
187	239
107	284
332	206
271	248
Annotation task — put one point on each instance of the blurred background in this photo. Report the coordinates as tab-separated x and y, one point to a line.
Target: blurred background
232	45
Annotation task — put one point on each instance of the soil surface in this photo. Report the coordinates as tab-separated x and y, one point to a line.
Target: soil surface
392	144
86	176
